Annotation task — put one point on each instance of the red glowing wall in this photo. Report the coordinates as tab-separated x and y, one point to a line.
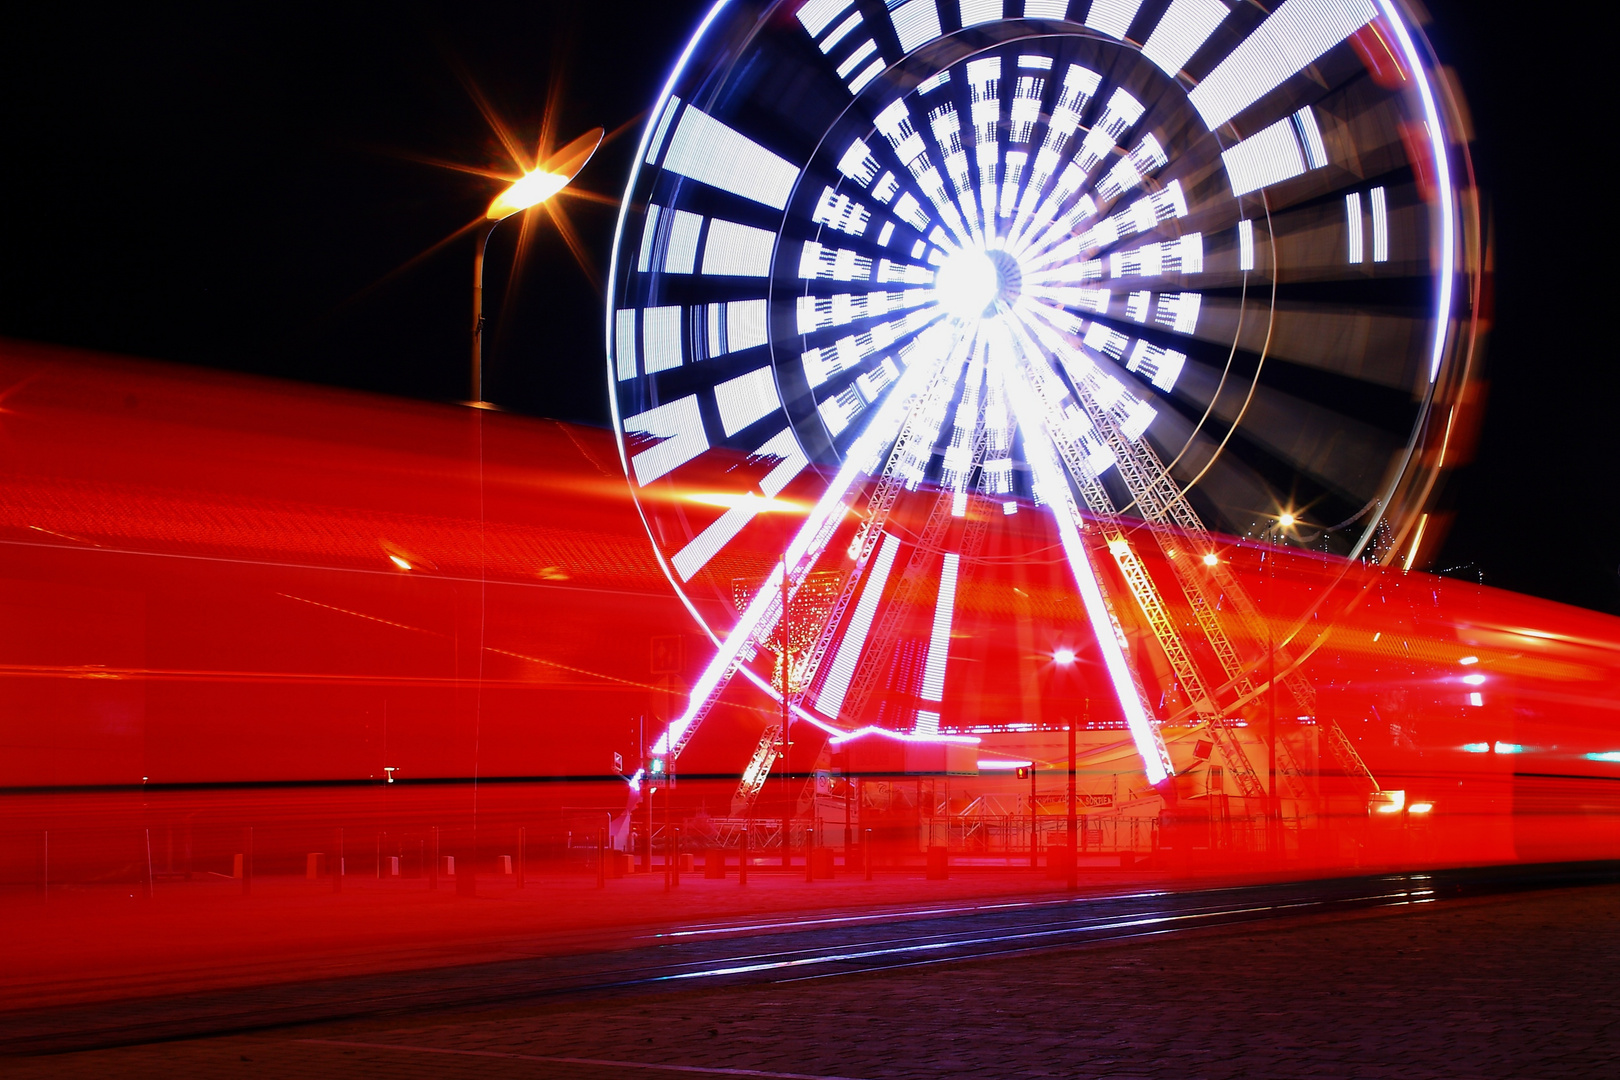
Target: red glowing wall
233	603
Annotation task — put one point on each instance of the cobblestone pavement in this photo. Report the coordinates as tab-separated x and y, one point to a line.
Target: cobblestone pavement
1521	986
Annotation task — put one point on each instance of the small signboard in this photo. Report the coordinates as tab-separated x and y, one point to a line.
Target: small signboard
666	654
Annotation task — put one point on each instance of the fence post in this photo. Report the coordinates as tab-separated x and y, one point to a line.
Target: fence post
809	855
247	860
433	866
148	833
866	852
337	867
601	858
742	864
522	853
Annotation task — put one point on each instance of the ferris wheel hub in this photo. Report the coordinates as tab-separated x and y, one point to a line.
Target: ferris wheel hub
974	283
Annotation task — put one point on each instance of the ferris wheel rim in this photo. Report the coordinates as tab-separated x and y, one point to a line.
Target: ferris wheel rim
1445	300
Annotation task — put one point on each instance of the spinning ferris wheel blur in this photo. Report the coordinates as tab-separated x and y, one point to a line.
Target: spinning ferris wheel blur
890	278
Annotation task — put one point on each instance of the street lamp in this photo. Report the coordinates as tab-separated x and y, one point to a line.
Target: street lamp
531	189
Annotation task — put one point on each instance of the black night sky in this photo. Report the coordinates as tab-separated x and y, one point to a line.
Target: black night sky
232	185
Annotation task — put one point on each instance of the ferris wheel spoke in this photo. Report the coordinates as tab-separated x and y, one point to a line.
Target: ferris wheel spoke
1119	115
905	464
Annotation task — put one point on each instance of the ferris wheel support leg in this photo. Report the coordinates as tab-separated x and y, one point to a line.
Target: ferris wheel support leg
1054	488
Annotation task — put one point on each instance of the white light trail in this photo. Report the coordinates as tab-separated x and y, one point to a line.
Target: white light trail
624	343
1280	152
671	107
736	250
649	238
736	325
678	428
783	448
939	642
816	15
746	399
661	338
1179	311
712	153
680	254
1186	25
1352	214
1380	226
916	23
1112	17
831	698
1292	36
975	12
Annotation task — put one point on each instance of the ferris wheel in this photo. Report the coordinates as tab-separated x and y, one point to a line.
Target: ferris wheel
889	278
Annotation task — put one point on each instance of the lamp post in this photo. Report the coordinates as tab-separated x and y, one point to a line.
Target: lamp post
1285	521
531	189
1065	658
787	730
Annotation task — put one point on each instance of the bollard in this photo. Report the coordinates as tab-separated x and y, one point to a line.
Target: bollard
866	852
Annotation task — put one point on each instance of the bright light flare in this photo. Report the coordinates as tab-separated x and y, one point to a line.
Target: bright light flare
757	504
1388	802
1420	808
1210	559
1063	657
967	284
399	562
535	187
539	184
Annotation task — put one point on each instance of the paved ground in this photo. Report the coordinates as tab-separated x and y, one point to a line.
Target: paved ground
105	944
1521	986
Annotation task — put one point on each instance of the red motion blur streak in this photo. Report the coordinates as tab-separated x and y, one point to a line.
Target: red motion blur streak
231	604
